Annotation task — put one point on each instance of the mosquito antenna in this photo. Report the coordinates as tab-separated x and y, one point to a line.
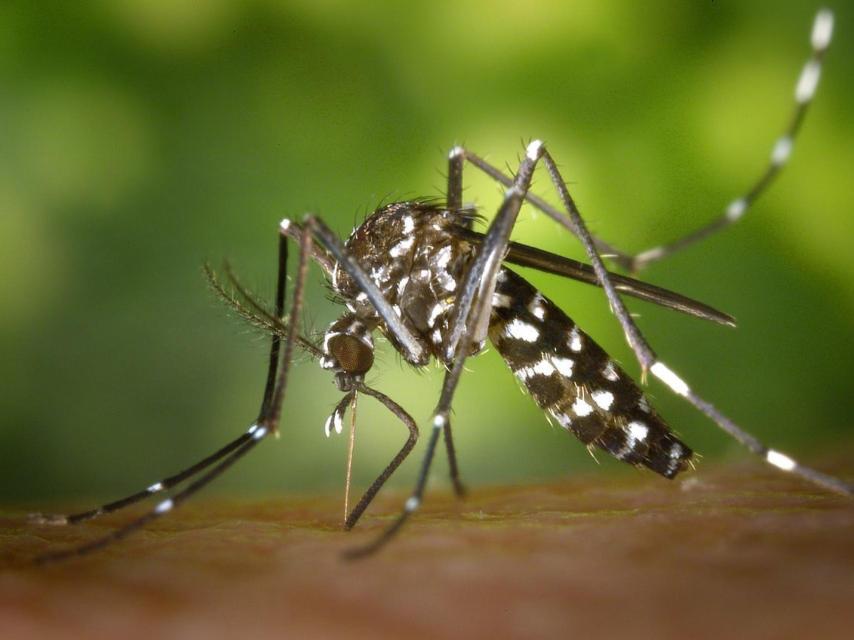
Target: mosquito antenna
258	316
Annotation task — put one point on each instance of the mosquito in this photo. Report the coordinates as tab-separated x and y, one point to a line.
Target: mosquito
419	274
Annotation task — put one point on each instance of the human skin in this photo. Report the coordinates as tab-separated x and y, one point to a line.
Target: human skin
734	550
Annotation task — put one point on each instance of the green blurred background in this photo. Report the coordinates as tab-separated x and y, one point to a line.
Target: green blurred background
141	138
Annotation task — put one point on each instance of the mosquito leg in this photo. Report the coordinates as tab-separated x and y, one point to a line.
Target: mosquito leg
574	223
822	31
454	195
454	199
171	481
480	280
333	245
276	345
411	505
467	325
649	360
266	423
294	231
274	393
454	469
620	257
771	456
805	89
161	509
154	489
377	484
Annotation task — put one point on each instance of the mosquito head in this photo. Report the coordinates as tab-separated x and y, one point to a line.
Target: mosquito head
348	350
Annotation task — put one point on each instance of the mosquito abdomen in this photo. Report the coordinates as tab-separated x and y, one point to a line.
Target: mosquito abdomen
576	382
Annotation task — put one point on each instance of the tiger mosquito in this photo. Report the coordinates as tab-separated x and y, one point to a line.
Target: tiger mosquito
419	273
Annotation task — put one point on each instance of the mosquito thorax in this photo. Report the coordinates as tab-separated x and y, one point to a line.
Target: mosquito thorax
413	254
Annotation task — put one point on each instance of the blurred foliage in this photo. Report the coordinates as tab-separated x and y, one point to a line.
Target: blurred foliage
143	137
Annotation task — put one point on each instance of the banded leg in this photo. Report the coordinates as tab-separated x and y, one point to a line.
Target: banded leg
469	324
805	88
170	482
649	360
454	202
265	424
459	154
162	508
154	489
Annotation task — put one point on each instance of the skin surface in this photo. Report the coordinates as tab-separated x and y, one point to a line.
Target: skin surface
734	551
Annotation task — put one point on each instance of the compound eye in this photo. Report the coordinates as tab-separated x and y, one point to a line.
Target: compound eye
351	354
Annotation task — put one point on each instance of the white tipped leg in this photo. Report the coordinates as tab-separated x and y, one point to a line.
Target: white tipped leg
736	209
804	92
808	81
782	150
822	30
780	460
668	377
164	506
534	150
650	255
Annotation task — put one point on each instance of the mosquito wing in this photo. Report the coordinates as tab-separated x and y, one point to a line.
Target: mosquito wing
527	256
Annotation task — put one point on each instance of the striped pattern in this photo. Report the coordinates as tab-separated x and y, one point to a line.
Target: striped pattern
411	252
575	381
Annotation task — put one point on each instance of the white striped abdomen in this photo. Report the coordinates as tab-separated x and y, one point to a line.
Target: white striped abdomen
576	382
